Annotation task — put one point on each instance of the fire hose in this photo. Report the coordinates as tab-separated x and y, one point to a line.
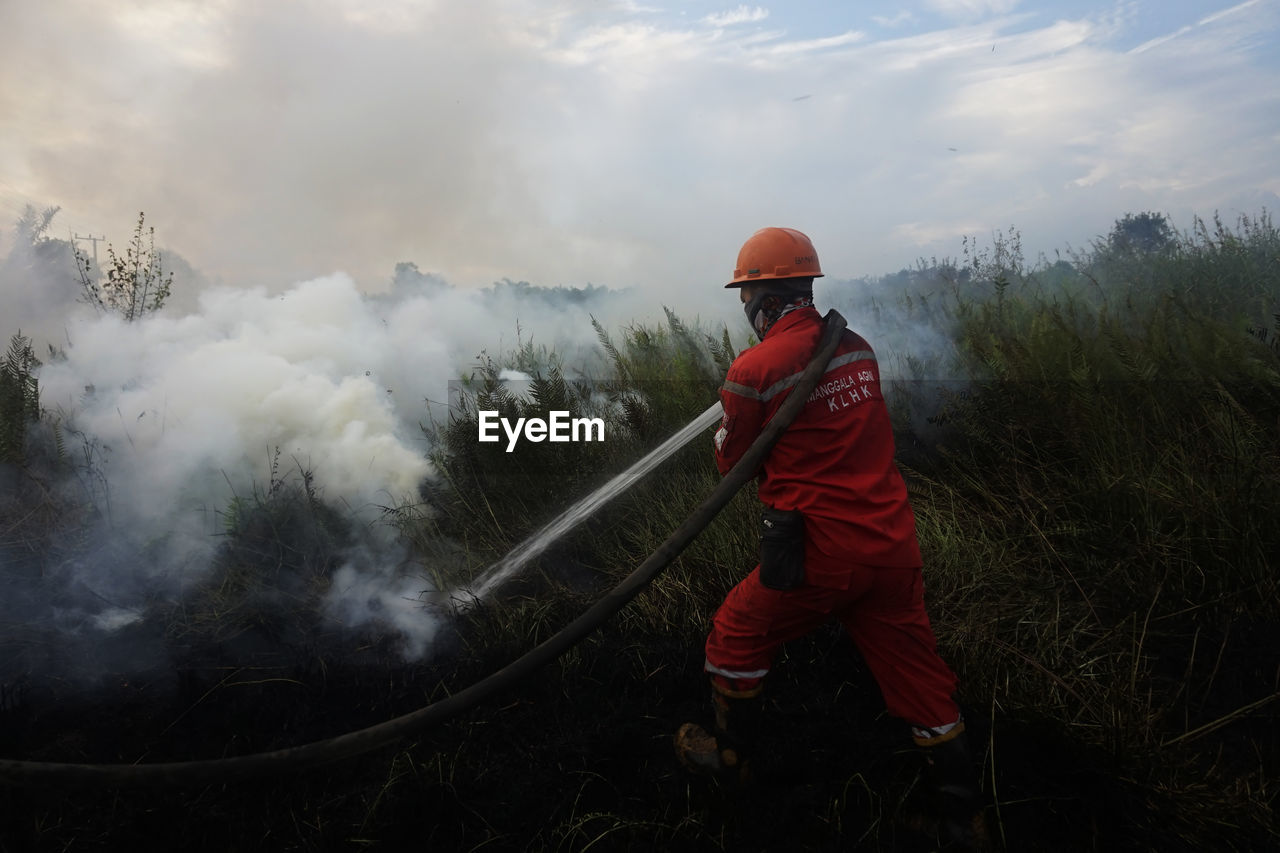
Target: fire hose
351	744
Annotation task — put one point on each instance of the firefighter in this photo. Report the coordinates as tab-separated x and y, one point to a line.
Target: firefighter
838	538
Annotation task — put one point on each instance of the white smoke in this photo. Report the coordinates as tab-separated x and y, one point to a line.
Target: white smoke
181	414
375	593
187	403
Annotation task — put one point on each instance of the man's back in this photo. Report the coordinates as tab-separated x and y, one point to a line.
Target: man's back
836	461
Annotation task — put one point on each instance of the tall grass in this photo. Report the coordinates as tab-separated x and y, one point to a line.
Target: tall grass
1100	521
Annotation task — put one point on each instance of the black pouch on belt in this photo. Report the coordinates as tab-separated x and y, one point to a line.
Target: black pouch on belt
781	548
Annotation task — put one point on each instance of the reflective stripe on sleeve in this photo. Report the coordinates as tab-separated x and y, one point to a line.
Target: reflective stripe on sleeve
849	358
741	390
783	384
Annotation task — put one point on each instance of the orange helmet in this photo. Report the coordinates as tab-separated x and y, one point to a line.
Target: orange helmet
775	253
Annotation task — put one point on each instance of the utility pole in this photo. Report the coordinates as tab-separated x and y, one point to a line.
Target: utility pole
95	241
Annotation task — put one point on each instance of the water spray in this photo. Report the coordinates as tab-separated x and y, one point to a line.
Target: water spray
463	598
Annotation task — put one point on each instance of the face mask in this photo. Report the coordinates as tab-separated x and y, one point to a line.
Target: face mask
762	318
757	317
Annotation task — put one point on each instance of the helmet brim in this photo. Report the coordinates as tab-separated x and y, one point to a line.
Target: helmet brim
744	281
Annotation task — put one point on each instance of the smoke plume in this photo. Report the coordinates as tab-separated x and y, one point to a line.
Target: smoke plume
172	419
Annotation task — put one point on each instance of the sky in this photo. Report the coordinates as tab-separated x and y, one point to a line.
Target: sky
626	143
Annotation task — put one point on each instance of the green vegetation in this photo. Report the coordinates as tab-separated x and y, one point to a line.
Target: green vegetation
1096	503
19	398
135	285
1101	519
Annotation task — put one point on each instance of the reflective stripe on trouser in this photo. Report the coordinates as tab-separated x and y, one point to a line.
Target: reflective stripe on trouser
883	612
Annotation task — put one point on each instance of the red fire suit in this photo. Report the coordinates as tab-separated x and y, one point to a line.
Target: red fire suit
862	560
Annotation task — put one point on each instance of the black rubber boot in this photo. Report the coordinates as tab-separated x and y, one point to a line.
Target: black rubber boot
957	798
726	752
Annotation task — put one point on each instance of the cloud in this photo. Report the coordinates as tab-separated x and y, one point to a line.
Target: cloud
902	16
568	142
809	46
972	8
740	15
1181	31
